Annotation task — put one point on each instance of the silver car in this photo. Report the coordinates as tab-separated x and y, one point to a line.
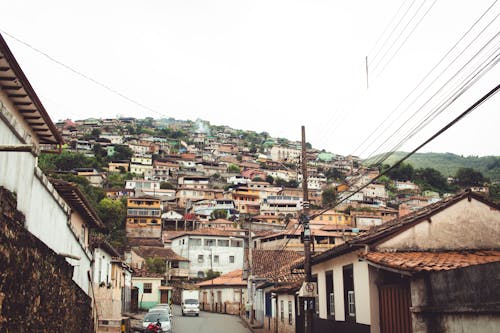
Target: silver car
162	317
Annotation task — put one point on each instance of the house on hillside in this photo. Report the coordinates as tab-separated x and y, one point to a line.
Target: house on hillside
422	262
112	281
176	267
224	294
210	249
143	217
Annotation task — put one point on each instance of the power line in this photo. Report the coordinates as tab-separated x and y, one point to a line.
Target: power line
85	76
393	30
398	36
467	83
434	136
433	96
432	70
406	39
387	27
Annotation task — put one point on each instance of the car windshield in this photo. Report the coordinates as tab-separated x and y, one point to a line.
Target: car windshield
154	317
191	301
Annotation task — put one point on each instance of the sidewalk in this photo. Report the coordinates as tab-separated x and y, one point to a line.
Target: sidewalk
255	328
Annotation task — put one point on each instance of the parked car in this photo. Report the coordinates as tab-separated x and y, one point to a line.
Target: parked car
162	317
190	303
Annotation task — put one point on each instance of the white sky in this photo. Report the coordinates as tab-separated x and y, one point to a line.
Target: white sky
262	65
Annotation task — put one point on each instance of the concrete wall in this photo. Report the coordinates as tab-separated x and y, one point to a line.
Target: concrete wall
147	301
465	225
47	215
102	267
184	247
232	300
284	326
37	292
362	287
441	302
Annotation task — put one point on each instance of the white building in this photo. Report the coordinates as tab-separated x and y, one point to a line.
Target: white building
279	153
207	249
23	135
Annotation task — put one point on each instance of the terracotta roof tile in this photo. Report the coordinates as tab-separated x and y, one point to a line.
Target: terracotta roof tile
158	252
431	261
144	242
233	278
276	264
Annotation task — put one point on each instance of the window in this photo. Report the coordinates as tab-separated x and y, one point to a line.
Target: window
216	259
332	305
236	243
290	312
200	258
350	301
195	241
209	242
231	259
329	293
148	288
223	242
282	311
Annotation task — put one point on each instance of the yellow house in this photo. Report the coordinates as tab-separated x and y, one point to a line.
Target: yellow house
333	217
143	217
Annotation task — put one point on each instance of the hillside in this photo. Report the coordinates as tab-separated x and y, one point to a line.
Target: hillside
448	163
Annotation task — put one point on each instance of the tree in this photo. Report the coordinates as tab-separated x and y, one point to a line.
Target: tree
469	177
218	214
112	213
402	172
122	153
269	179
211	274
431	179
156	265
233	168
95	132
329	196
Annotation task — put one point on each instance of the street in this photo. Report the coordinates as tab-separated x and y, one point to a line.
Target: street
207	322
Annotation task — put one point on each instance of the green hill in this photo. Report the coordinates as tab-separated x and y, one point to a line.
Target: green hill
448	163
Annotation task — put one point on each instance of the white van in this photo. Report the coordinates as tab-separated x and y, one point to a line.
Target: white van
190	302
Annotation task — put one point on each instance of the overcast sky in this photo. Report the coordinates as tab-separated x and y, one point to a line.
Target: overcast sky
270	66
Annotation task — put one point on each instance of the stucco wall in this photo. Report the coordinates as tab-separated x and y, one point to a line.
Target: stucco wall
441	302
465	225
147	301
362	287
47	215
37	293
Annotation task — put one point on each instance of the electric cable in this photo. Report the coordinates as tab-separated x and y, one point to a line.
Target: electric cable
471	108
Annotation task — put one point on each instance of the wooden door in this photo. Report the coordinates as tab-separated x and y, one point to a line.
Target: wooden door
395	303
164	296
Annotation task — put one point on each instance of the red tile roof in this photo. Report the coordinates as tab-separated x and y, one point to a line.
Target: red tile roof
158	252
233	278
275	265
431	261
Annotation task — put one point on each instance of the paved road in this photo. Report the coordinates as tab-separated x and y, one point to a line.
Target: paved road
207	322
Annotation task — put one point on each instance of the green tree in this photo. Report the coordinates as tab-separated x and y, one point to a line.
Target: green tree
156	265
269	179
233	168
122	153
431	179
211	274
469	177
402	172
329	196
112	213
95	132
219	214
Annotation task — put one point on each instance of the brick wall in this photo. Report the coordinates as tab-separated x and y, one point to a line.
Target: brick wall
37	292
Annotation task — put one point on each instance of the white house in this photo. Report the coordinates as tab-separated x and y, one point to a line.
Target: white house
25	130
210	249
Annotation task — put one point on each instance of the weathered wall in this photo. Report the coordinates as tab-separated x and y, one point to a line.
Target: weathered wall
461	300
465	225
37	292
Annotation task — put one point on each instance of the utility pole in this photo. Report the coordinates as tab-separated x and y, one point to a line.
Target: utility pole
304	220
250	272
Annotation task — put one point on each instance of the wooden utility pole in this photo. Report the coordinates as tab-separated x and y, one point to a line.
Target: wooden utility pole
307	237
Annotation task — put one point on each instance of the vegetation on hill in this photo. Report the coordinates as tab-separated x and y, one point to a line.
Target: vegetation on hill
448	164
